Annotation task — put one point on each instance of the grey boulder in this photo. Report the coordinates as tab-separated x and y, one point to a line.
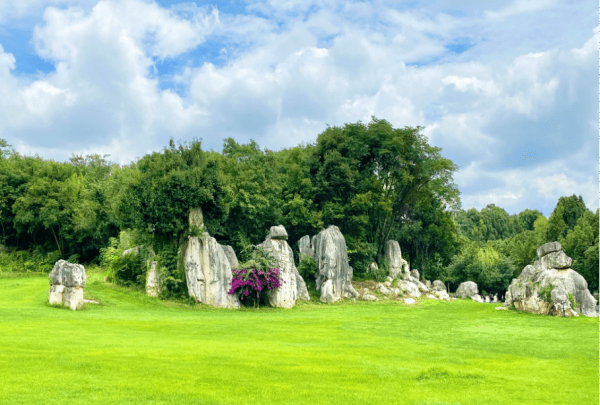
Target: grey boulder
152	283
393	257
66	284
467	289
304	247
331	256
439	286
278	232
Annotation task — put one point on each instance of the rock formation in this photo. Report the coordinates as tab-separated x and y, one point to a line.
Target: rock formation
152	283
334	279
208	272
304	248
230	253
439	289
66	284
292	284
549	286
373	267
415	274
468	289
393	257
207	268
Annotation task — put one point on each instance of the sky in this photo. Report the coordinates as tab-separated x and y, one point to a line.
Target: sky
505	88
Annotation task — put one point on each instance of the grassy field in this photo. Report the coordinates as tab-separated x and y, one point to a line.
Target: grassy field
132	349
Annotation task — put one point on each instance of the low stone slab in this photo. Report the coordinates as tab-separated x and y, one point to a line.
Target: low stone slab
278	232
409	301
369	297
556	260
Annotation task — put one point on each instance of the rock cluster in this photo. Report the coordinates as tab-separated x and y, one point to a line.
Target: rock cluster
468	289
208	268
66	284
334	277
292	286
544	288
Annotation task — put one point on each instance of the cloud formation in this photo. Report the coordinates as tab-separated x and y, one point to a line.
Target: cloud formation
513	109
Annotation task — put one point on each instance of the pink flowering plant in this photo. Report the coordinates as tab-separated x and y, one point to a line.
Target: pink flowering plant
253	279
252	284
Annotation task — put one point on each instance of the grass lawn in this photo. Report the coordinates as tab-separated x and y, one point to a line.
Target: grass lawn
132	349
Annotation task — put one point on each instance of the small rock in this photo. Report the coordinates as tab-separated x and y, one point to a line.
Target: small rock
387	284
369	297
385	298
501	308
409	301
431	296
389	279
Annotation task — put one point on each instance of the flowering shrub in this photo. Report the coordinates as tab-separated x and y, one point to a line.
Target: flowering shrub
253	284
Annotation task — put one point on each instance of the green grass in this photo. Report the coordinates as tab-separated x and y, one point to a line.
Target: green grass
132	349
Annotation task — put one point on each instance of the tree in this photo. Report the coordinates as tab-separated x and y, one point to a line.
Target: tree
527	217
557	226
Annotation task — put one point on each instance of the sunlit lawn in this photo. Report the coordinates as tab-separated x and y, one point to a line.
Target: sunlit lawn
132	349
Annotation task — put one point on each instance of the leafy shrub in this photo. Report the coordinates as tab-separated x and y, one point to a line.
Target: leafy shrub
27	261
308	268
127	270
574	304
171	273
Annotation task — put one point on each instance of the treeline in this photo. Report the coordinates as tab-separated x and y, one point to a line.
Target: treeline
373	181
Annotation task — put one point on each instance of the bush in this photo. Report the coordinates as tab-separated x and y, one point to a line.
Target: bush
127	270
25	261
308	268
253	284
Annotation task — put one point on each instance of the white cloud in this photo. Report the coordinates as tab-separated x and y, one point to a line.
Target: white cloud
292	67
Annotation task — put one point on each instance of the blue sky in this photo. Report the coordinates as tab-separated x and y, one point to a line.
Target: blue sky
505	88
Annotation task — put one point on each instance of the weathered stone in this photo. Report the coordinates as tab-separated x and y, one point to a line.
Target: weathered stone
372	267
433	297
208	272
495	298
393	257
467	289
396	291
292	284
529	292
415	274
369	297
327	291
304	247
556	260
384	290
278	232
135	250
441	294
439	286
409	288
487	299
66	284
428	284
230	253
477	298
501	308
152	282
365	290
409	301
388	278
387	284
547	248
196	219
331	256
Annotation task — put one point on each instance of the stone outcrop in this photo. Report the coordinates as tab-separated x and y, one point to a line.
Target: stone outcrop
66	284
334	279
439	289
468	289
373	267
304	247
544	288
230	253
409	288
393	257
415	274
292	284
208	272
152	283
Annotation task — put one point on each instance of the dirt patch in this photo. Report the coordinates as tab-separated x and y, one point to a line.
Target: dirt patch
360	285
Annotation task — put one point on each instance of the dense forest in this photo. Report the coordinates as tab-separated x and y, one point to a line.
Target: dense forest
373	181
